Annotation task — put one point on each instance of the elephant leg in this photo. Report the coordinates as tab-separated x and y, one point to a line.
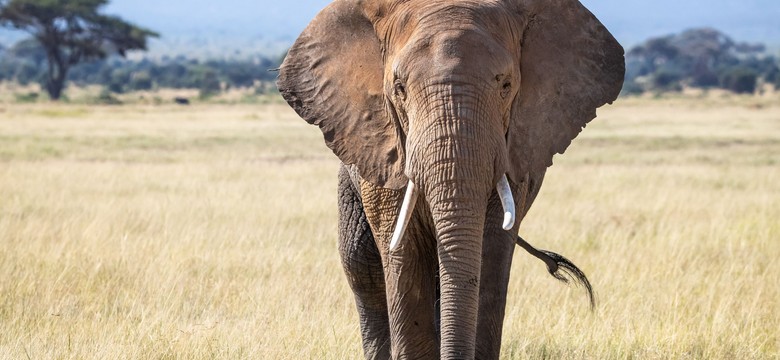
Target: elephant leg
412	281
497	251
363	267
411	273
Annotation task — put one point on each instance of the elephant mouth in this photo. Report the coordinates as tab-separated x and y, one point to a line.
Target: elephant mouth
412	193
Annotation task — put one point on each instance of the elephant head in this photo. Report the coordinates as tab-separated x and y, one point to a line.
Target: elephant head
452	98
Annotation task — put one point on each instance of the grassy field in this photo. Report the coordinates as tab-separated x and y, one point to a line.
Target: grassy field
202	232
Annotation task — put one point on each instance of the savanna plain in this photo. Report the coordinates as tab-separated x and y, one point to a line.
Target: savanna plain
209	232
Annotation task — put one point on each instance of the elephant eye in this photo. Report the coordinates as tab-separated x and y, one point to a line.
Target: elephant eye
506	89
399	90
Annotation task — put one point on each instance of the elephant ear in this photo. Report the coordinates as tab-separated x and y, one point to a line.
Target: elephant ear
569	66
333	78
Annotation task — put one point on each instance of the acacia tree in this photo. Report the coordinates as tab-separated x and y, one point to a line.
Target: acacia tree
70	32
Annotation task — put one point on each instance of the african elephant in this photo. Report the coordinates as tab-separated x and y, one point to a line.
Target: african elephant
445	116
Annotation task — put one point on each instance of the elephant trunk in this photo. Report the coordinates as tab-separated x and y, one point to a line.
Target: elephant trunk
456	162
459	217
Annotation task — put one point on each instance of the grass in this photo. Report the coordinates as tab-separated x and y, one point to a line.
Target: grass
96	95
209	231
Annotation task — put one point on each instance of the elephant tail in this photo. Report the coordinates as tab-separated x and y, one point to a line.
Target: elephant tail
560	268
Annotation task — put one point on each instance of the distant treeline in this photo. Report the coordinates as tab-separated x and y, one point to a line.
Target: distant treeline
699	58
26	63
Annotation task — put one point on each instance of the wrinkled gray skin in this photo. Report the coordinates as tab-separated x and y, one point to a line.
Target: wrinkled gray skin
450	95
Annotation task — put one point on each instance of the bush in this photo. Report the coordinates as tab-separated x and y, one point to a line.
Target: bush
209	84
739	79
631	87
106	98
118	79
140	80
705	79
27	73
29	97
773	76
667	80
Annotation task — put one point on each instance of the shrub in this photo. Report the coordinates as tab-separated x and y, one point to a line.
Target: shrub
209	84
631	87
106	98
119	77
705	79
29	97
140	80
667	80
739	79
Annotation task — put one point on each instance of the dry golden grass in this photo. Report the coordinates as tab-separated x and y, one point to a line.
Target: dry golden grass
209	231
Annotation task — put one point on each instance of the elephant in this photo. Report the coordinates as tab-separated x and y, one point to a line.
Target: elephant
445	116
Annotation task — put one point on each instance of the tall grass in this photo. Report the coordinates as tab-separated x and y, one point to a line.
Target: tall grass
208	232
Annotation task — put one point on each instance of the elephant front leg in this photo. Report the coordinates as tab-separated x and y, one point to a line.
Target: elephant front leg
411	277
363	267
410	274
497	251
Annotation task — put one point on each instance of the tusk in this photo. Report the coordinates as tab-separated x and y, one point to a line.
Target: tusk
507	201
406	213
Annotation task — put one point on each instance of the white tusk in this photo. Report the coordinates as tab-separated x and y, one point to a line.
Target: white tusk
406	213
507	201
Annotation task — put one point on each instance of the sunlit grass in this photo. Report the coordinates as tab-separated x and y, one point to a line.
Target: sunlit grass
209	231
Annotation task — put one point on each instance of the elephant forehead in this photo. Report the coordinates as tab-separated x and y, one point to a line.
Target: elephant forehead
466	44
463	10
454	38
490	16
470	52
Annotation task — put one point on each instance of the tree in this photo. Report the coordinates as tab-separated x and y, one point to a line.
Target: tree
71	32
701	58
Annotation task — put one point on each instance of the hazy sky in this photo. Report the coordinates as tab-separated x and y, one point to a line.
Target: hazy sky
630	21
